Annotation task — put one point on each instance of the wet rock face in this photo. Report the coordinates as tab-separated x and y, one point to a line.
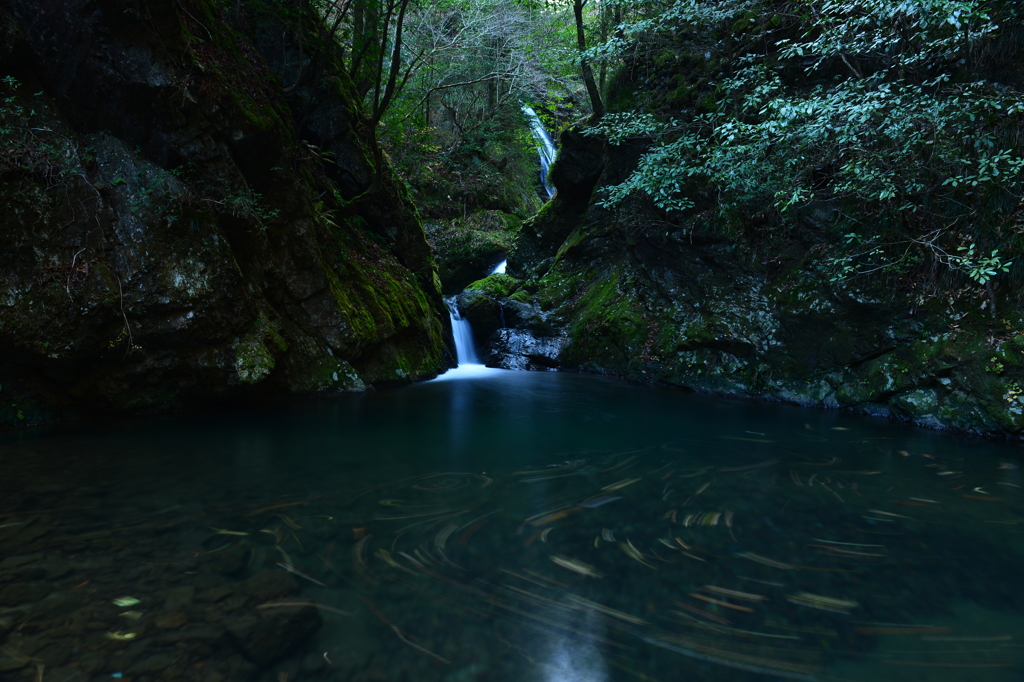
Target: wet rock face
520	349
161	238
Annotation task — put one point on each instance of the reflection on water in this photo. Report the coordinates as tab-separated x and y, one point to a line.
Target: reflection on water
513	526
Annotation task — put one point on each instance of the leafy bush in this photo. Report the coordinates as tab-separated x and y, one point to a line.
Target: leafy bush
877	111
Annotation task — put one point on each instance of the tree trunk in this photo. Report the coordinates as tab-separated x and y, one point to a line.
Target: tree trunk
588	75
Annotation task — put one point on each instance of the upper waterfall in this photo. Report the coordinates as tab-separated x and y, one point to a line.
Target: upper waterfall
545	146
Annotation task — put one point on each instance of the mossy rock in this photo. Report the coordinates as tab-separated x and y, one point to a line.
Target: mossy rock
468	249
496	285
195	257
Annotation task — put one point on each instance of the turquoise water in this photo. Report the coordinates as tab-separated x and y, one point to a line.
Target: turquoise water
515	526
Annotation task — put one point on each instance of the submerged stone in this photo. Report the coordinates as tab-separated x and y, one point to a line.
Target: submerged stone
272	632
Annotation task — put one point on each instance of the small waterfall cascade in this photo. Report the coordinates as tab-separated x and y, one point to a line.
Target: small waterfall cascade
500	268
465	352
545	146
470	366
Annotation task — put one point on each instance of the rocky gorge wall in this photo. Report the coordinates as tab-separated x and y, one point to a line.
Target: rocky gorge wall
625	292
176	222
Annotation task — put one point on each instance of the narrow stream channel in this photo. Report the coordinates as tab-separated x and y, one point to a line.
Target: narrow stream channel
512	526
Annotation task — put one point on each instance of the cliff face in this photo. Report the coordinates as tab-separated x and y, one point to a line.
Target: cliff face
624	292
169	233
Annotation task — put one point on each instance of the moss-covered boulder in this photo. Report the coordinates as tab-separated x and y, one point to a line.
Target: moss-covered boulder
469	248
169	235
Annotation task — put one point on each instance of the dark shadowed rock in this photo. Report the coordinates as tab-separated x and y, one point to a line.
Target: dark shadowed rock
214	594
166	233
20	593
154	664
170	621
269	585
270	632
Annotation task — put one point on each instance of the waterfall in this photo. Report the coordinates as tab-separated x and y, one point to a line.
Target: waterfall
500	269
465	353
545	147
470	366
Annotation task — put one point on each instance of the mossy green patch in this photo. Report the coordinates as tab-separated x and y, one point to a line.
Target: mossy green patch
497	285
467	248
253	362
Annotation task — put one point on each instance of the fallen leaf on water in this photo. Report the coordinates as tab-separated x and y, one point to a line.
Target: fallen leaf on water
120	636
817	601
714	589
885	513
901	630
621	484
633	553
576	565
735	607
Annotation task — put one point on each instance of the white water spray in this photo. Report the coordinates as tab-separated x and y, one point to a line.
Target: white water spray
465	352
545	147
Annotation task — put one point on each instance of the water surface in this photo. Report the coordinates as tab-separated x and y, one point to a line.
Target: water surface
511	526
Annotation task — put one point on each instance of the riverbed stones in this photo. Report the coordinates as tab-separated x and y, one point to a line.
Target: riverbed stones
9	662
17	560
55	654
90	662
268	634
55	567
65	674
153	664
22	592
170	621
269	585
313	662
179	597
214	595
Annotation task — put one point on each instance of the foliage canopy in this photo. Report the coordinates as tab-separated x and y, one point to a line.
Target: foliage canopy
882	114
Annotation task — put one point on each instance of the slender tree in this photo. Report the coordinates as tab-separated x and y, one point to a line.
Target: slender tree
588	74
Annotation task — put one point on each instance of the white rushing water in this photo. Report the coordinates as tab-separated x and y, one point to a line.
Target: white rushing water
545	146
500	268
465	351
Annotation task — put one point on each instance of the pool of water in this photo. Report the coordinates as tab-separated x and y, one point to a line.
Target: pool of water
510	526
